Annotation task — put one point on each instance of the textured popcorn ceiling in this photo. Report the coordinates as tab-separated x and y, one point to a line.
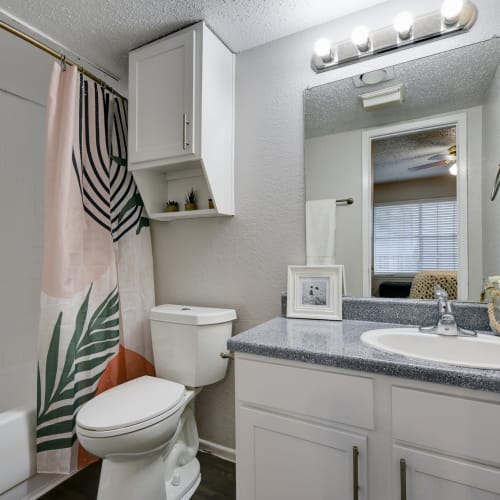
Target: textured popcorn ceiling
440	83
394	156
103	31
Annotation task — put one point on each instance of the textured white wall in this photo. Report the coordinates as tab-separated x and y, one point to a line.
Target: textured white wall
241	262
23	88
491	159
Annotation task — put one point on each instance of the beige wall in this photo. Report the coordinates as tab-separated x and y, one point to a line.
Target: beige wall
444	186
241	262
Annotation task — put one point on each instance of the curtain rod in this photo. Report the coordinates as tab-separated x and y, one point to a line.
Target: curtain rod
57	55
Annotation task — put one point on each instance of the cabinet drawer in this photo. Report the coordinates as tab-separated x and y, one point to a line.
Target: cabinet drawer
320	394
459	426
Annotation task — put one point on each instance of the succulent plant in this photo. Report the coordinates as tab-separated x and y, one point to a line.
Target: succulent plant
191	196
171	206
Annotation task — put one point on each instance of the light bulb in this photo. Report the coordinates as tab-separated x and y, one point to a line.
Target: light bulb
450	10
453	170
403	24
361	38
323	49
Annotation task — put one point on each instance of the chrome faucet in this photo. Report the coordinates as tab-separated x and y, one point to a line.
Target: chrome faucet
447	325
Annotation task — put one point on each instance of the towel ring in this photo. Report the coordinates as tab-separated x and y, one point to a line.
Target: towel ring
496	185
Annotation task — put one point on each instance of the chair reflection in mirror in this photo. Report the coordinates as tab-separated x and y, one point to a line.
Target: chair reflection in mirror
424	283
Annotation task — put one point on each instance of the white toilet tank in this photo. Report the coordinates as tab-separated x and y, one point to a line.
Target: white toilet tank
187	342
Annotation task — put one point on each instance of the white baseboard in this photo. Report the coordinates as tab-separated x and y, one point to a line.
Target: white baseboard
218	450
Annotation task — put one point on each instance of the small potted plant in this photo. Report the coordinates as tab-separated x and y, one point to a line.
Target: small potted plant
171	206
190	200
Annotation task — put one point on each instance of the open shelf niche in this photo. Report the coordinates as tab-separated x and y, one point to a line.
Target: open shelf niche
158	185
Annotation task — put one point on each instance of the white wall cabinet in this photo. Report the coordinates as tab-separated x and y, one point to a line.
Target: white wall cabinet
181	126
162	91
297	425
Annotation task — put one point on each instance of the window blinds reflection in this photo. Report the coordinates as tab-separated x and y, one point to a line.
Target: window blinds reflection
414	236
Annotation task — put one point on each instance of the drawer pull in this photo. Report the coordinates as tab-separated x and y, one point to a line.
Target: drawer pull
355	474
402	476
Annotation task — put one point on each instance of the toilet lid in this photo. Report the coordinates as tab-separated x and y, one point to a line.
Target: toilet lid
131	403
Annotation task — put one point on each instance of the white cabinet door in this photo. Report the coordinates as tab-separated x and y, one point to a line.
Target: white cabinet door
162	99
421	475
281	458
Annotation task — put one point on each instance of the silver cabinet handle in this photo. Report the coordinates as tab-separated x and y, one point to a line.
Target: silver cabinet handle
496	185
402	477
185	123
355	474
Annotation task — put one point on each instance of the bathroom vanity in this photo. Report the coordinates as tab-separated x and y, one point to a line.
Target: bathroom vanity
321	415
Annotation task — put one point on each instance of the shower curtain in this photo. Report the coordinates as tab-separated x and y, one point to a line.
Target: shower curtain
97	279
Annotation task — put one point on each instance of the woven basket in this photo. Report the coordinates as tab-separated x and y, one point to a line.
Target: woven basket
494	310
424	283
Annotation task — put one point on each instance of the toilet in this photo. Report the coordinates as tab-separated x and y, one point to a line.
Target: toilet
145	429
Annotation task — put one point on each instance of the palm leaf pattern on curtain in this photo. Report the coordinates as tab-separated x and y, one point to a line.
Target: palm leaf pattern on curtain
93	342
100	163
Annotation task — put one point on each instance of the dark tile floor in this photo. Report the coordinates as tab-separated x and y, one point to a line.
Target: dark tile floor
218	482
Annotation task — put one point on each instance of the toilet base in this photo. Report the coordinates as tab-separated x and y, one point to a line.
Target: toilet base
132	478
143	478
187	478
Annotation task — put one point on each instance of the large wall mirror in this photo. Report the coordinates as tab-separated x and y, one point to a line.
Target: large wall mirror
417	147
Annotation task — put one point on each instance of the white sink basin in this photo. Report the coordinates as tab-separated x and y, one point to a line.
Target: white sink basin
482	351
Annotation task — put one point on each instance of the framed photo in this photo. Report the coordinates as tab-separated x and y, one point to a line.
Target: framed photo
315	292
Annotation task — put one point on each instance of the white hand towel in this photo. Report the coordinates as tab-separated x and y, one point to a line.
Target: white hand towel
320	232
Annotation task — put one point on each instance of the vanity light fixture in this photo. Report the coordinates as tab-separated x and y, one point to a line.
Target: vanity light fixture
361	38
454	18
403	24
323	49
382	98
450	10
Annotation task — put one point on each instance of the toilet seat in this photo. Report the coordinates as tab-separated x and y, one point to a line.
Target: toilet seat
130	407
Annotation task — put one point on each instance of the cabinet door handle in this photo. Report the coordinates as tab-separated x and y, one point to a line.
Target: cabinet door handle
185	123
496	185
402	477
355	473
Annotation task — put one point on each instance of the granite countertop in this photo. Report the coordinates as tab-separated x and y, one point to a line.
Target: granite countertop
337	343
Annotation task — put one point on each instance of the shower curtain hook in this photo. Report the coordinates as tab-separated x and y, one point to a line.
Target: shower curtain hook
63	62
